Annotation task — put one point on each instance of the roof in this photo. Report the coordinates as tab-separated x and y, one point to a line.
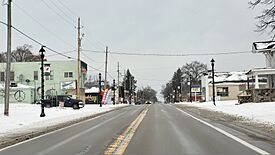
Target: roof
19	86
261	71
229	77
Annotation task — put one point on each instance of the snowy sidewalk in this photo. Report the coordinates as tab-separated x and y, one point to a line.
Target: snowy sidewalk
25	117
259	112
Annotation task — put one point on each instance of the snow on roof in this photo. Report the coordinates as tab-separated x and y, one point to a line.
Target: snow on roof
229	76
19	86
92	90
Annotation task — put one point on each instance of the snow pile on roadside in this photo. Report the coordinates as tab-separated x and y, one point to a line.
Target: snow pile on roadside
26	117
260	112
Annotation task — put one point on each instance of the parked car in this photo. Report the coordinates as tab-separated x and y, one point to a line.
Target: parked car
66	99
138	103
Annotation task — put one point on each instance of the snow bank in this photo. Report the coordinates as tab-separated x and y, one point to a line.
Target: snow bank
260	112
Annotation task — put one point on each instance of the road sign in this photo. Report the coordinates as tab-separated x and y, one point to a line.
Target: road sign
196	88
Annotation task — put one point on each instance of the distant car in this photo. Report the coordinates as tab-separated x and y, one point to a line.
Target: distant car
66	99
138	103
148	102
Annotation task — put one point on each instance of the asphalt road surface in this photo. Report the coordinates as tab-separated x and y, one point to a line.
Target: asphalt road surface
164	130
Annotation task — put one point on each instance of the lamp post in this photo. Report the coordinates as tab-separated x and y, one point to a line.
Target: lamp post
41	51
213	82
114	88
99	87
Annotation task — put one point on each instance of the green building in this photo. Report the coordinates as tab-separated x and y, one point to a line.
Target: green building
60	78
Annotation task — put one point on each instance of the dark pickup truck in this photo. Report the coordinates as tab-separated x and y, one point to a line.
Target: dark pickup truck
64	100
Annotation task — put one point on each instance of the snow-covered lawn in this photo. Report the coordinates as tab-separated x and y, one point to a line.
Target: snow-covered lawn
260	112
26	117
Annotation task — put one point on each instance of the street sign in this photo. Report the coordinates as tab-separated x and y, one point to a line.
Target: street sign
196	88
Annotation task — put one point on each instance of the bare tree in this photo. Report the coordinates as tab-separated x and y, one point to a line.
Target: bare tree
266	20
193	70
23	54
2	57
147	93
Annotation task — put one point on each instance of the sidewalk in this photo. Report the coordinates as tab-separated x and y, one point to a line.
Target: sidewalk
26	117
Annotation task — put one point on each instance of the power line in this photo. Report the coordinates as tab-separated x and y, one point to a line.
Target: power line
64	13
34	40
90	58
70	10
168	55
177	55
45	28
64	19
62	53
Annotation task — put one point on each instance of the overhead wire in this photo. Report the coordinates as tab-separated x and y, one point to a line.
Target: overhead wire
168	55
64	13
42	26
70	10
64	19
36	41
90	58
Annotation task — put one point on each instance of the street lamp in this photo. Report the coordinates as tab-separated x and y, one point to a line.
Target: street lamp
213	82
114	88
41	51
99	87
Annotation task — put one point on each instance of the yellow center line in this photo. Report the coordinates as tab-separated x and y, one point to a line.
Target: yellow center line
120	144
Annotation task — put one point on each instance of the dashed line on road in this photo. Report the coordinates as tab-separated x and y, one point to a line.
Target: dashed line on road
252	147
119	146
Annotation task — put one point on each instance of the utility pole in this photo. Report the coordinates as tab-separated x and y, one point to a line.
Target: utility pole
118	81
106	63
8	65
78	60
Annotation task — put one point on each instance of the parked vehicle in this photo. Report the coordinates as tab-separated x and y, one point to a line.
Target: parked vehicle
63	100
138	103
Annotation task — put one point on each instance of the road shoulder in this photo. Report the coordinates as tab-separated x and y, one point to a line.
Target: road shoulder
253	129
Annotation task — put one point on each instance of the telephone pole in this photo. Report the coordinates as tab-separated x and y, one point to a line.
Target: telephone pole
8	65
118	81
78	60
106	64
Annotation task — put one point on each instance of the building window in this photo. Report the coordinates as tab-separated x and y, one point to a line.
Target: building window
51	75
68	74
2	76
12	76
35	75
222	91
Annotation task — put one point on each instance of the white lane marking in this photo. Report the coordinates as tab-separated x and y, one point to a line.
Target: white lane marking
260	151
46	151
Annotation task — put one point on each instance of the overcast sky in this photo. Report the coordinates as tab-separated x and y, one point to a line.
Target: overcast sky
141	26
